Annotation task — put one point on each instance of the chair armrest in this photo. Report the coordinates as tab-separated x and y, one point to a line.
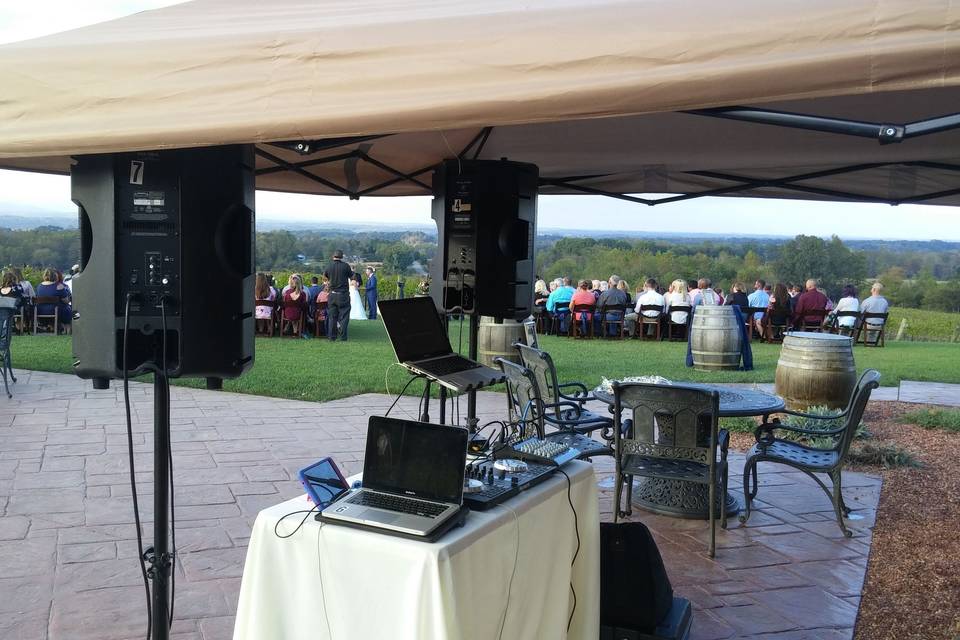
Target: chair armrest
764	433
581	390
563	403
832	416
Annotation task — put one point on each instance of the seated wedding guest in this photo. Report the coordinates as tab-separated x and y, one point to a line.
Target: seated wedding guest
289	284
272	284
779	310
10	288
262	291
320	304
809	300
829	306
705	294
720	296
596	289
583	296
560	295
25	285
693	288
611	297
876	303
737	296
847	302
677	296
623	286
649	296
50	288
295	302
540	288
604	285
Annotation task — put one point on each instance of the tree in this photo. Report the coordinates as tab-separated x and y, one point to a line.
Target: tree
831	263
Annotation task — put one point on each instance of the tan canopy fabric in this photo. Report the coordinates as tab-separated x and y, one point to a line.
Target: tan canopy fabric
589	91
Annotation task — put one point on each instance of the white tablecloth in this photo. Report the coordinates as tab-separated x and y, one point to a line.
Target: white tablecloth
330	582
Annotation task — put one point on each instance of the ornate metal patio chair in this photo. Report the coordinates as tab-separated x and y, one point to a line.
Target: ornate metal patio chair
6	332
811	460
672	435
526	407
563	408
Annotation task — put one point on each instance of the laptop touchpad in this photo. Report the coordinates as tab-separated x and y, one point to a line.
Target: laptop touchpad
374	515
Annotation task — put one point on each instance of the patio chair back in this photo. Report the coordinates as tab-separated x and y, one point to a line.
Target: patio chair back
524	402
670	422
543	370
869	381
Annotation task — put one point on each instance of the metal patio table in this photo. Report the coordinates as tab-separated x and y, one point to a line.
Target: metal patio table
686	499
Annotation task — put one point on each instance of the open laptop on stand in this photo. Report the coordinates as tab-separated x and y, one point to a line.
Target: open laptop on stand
420	342
412	480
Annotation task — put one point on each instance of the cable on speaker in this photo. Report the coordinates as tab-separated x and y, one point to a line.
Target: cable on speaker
133	476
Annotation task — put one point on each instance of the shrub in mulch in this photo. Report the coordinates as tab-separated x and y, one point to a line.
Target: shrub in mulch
945	419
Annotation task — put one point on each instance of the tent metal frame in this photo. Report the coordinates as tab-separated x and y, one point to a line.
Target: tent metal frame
884	133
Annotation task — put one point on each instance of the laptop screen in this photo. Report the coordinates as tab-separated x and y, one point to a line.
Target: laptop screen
415	329
416	459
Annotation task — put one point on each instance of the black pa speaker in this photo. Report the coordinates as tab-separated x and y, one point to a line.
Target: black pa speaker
173	227
486	213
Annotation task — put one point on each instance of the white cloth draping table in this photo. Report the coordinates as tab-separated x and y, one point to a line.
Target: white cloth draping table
329	582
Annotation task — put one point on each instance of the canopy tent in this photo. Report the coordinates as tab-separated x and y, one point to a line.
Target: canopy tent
617	97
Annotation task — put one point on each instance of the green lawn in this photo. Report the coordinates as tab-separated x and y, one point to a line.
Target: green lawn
321	370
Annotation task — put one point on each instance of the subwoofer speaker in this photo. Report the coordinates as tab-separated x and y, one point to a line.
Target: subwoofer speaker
486	214
165	236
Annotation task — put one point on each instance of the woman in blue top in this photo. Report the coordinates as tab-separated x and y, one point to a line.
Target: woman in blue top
51	288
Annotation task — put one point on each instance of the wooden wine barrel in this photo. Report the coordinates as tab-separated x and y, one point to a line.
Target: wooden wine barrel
715	338
815	369
495	340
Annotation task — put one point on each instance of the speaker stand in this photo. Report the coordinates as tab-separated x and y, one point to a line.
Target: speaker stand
472	393
159	558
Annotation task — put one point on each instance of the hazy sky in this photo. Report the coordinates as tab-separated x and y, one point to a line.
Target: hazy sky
32	193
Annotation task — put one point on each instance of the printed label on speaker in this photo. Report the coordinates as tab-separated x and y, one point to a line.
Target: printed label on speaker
136	172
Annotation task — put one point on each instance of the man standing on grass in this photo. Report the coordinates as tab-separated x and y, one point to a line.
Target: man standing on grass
371	291
338	304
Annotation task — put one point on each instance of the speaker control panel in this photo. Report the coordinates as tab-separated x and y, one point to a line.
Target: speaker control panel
148	234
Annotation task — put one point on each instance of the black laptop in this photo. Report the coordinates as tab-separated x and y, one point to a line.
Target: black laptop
420	341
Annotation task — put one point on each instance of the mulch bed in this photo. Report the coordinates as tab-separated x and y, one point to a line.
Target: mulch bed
912	587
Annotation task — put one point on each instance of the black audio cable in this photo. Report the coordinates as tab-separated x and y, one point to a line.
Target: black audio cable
133	477
400	395
173	511
576	530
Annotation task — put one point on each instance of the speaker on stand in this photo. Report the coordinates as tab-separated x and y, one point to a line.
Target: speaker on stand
486	215
165	287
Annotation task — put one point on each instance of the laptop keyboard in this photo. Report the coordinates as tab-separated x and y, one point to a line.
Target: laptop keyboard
398	503
447	365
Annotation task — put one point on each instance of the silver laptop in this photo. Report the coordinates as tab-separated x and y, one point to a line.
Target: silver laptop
412	477
420	341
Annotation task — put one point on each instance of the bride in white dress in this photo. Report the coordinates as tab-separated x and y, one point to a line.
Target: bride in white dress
357	311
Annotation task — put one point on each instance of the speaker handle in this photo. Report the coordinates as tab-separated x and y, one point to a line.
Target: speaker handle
236	224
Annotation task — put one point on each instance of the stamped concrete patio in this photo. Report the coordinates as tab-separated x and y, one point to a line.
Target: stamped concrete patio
68	566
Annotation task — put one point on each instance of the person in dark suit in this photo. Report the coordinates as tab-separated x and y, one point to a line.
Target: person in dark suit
371	291
338	303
